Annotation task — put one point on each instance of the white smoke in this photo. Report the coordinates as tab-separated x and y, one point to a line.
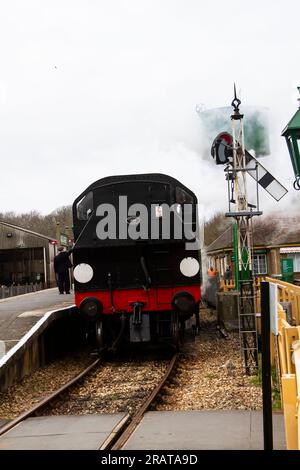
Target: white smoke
93	89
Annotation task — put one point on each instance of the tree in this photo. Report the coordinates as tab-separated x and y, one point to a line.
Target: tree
44	224
215	226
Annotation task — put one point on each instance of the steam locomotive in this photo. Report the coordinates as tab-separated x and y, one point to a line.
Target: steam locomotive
136	260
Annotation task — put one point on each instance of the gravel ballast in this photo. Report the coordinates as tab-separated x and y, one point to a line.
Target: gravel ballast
41	383
210	375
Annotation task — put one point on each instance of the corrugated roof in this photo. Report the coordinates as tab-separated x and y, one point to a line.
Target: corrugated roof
40	235
222	242
270	231
290	249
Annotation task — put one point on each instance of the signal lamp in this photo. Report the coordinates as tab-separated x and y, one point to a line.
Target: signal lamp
221	149
292	137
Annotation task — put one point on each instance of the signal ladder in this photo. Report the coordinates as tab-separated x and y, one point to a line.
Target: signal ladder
247	327
247	304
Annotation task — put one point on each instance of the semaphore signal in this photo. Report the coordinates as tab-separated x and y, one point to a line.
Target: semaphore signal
229	149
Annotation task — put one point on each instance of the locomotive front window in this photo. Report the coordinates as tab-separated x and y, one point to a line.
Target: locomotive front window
182	197
84	207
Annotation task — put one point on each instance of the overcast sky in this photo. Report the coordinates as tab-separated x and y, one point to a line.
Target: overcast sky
92	88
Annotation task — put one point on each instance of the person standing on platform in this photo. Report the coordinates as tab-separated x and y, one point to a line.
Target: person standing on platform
211	272
228	274
62	264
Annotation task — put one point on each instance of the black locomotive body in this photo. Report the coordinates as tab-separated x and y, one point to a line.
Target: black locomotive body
136	260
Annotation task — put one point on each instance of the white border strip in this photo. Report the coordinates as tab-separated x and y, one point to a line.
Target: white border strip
29	334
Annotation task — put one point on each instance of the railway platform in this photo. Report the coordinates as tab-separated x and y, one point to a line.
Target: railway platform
20	313
204	430
25	321
70	432
168	430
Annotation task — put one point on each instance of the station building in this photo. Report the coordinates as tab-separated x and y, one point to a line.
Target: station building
26	257
274	239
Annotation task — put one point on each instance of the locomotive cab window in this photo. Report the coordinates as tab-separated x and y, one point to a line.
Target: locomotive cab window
84	207
186	209
182	197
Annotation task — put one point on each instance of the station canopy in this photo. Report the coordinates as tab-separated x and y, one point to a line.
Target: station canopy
290	249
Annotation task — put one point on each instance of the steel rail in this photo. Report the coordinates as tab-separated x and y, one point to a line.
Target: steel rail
120	440
46	400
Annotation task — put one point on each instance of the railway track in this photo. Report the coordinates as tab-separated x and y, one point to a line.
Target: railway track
34	409
126	432
63	398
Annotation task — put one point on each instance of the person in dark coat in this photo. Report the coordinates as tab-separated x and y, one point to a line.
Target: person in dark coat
62	264
228	273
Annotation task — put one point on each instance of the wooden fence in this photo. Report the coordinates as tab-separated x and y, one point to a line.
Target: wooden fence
287	343
291	294
12	291
227	285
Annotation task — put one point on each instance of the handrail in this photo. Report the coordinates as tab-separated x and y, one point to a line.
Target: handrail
289	293
227	285
288	344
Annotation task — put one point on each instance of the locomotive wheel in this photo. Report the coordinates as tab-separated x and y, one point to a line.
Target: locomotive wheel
99	331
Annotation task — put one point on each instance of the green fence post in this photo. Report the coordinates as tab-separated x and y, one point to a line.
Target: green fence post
235	255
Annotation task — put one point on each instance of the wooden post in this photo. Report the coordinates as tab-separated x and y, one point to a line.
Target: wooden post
289	398
266	366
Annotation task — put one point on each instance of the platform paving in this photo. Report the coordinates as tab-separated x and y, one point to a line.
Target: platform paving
204	430
18	314
86	432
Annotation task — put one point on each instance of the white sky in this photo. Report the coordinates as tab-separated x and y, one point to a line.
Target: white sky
91	88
